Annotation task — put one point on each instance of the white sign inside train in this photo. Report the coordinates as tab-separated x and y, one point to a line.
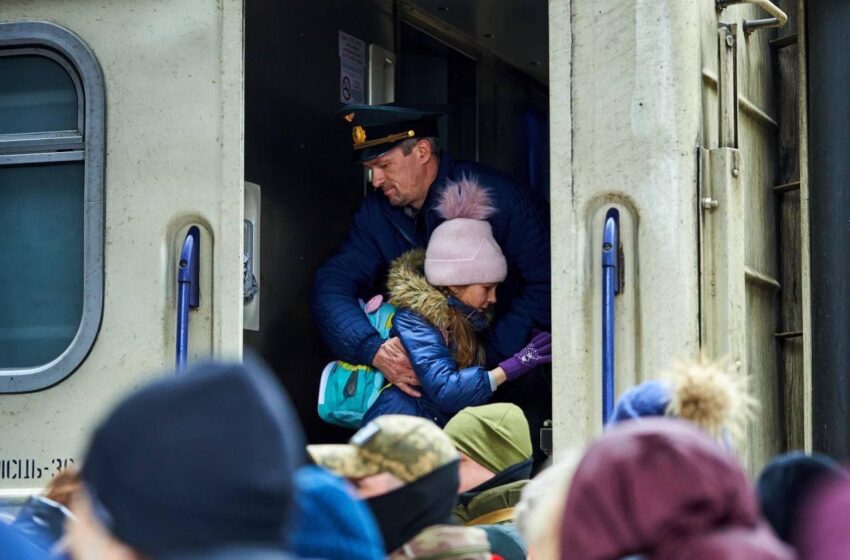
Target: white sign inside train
352	69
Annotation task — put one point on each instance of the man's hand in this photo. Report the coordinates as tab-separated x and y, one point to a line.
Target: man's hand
393	362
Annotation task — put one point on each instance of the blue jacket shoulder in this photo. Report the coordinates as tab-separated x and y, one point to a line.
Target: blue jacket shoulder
450	389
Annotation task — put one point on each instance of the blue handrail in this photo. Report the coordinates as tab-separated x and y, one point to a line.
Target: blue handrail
610	288
188	291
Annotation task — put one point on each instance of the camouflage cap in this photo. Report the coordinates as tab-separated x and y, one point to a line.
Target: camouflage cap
443	542
405	446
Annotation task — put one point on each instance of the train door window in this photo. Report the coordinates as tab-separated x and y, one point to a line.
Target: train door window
433	72
51	204
41	97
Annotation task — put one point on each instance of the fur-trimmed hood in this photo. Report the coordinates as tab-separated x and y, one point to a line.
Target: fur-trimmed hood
408	288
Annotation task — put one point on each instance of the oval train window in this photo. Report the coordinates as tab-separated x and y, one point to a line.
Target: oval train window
51	204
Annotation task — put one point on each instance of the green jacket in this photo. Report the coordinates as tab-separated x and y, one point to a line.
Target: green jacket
492	510
496	503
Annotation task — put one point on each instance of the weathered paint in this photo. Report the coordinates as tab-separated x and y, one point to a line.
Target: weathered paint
173	73
755	140
636	84
804	407
625	79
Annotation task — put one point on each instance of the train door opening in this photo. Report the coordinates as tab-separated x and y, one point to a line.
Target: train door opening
490	65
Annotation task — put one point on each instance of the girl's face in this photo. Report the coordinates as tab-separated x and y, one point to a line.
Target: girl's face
477	296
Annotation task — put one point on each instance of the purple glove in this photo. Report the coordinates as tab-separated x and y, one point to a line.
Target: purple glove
537	352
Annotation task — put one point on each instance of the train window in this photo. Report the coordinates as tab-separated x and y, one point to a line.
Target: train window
42	270
41	97
52	150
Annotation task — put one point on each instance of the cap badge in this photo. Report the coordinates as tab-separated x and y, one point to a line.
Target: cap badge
359	134
349	117
363	144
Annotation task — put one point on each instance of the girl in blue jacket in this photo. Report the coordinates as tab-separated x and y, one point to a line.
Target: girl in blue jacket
442	296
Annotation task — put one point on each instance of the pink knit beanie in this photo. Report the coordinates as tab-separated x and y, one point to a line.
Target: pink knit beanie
462	250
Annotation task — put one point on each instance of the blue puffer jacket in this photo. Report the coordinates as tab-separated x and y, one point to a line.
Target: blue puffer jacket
381	233
421	319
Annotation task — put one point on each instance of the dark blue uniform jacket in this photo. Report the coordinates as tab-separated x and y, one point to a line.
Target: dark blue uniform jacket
381	233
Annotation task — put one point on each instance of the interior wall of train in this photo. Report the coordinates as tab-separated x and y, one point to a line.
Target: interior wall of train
488	62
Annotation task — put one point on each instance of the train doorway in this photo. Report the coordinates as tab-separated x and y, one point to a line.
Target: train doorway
491	65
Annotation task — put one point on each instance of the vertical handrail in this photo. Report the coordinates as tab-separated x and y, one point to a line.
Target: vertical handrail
610	288
188	292
249	281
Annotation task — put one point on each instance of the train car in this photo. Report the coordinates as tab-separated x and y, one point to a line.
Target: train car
122	127
172	175
685	119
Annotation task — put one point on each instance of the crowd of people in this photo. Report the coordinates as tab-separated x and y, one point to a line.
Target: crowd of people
211	462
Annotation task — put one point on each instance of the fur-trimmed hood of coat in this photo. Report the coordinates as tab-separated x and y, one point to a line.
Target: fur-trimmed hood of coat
408	288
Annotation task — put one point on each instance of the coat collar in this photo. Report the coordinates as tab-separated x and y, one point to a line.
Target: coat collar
432	219
409	289
519	472
503	497
500	492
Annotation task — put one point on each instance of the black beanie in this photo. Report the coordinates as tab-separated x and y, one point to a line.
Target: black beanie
785	484
196	461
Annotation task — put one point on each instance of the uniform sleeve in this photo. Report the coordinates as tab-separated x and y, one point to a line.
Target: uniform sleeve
528	243
449	388
339	283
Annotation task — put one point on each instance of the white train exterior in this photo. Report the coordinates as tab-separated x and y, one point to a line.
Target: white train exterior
666	111
172	76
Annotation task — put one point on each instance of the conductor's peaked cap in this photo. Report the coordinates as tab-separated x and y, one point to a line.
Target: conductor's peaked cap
377	129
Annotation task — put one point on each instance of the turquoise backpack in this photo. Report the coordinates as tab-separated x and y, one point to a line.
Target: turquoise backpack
346	391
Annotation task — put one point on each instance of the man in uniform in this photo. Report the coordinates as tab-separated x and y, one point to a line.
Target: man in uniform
406	469
399	146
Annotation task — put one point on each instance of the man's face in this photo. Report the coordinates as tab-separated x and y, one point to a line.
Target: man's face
376	485
472	474
88	539
399	177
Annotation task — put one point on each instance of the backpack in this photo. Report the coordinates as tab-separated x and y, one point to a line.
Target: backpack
346	391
